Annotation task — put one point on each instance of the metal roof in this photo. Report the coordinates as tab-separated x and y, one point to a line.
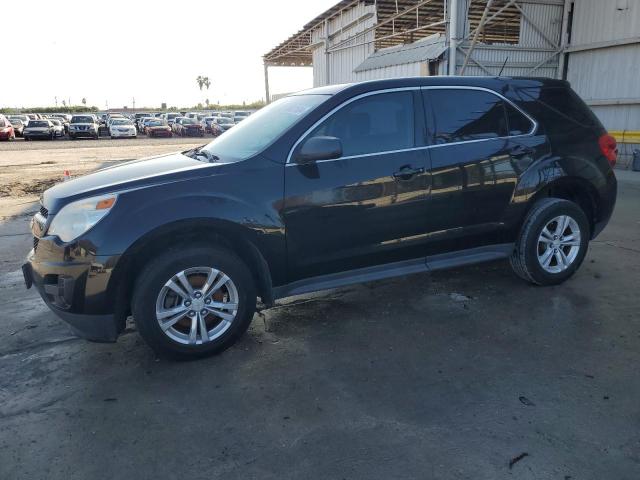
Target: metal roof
406	15
421	51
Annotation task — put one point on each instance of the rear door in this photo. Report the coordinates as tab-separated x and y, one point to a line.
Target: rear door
369	206
476	158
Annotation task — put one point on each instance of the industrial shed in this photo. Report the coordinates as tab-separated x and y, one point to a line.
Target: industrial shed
595	44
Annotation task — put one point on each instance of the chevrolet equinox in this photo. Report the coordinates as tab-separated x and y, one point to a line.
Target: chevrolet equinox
324	188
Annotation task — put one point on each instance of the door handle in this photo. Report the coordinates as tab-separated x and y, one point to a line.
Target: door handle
521	150
407	172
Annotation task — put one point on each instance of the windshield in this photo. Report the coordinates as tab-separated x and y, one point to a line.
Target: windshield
55	122
38	123
173	115
263	127
82	119
154	123
122	122
188	121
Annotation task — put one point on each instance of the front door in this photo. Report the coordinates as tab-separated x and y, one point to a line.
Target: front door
369	206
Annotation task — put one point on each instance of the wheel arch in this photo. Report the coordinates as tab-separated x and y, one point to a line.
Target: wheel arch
232	236
575	189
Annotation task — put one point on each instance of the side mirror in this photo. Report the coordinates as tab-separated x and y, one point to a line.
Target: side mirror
319	148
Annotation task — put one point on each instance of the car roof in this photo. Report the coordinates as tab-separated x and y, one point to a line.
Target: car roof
492	83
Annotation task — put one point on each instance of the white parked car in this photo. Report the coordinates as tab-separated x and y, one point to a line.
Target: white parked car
122	128
58	127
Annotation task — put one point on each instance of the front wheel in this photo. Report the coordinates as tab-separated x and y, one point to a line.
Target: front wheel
193	302
552	243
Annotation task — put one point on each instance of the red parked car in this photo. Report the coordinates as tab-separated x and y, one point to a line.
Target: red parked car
156	128
6	129
187	127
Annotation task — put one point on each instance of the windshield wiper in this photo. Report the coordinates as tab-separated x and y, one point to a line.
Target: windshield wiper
199	152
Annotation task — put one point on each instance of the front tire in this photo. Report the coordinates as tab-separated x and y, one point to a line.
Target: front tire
552	243
193	302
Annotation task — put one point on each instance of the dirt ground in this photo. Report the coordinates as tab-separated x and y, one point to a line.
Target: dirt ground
464	374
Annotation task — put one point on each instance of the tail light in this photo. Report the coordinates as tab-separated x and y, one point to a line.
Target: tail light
609	148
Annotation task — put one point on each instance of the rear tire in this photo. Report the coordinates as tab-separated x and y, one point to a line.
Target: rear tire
552	243
151	294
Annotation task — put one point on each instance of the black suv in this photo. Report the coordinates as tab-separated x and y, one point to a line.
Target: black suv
328	187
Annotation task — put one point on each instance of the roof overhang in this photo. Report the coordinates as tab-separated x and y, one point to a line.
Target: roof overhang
428	49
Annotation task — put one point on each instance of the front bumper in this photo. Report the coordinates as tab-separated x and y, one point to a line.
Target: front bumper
83	133
38	134
193	132
73	283
129	134
160	133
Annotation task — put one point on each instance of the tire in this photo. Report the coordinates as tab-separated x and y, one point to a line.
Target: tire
532	246
151	293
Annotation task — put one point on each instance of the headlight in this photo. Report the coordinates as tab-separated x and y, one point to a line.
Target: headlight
78	217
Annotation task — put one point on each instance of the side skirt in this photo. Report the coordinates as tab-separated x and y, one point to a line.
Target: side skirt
378	272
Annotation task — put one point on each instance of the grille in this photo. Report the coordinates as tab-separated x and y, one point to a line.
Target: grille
44	212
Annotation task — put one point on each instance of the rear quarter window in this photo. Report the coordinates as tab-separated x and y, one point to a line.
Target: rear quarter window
558	108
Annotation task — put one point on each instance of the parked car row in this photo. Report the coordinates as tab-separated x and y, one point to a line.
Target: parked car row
34	126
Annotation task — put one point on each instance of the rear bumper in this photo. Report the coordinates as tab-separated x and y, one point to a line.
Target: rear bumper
74	285
606	204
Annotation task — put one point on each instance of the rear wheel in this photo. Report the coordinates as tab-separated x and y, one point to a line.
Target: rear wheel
193	302
552	243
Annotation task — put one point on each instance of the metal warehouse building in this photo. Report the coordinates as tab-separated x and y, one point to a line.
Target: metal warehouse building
595	44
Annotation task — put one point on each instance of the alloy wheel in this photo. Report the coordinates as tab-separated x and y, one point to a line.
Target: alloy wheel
197	305
558	244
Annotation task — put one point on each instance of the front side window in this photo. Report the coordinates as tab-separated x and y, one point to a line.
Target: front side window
262	128
461	115
376	123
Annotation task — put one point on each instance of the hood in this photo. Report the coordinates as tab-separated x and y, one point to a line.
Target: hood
126	176
81	124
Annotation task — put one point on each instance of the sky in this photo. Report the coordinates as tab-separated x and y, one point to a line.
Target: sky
112	51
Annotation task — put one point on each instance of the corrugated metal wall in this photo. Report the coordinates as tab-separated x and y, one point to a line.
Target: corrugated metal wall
532	49
407	70
344	61
608	78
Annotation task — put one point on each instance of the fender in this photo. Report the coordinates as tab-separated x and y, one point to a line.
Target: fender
553	172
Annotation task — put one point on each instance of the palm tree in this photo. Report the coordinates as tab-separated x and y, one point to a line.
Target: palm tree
206	82
200	81
84	101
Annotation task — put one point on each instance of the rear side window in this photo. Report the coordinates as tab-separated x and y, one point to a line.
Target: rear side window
462	115
517	122
459	115
376	123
